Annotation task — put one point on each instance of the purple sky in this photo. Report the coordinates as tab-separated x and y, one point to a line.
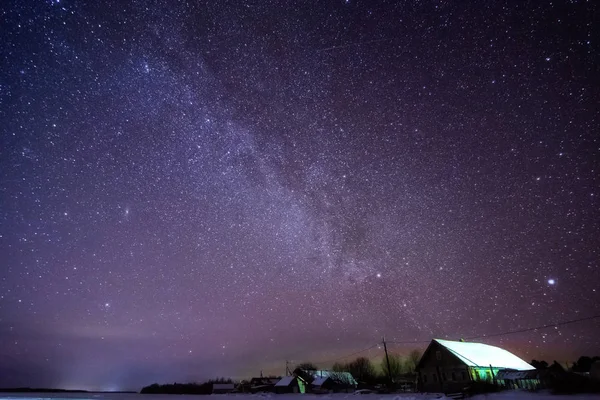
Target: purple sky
194	189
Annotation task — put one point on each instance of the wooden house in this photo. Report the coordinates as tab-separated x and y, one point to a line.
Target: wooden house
323	381
288	384
449	366
263	384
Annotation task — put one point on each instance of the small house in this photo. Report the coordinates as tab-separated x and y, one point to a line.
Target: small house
263	384
450	366
288	384
323	381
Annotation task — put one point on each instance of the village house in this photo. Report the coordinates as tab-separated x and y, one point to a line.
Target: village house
288	384
321	381
450	366
263	384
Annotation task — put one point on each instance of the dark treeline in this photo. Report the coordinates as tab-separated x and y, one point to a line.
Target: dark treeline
573	379
582	365
396	368
184	388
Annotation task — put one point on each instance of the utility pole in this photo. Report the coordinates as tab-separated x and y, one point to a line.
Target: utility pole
387	360
287	369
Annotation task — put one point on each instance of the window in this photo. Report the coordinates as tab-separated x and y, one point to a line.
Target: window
453	376
464	375
424	378
438	355
444	377
435	377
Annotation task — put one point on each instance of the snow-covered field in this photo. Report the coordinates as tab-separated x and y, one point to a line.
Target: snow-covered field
512	395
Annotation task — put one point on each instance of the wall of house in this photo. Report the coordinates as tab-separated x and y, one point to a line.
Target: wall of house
442	371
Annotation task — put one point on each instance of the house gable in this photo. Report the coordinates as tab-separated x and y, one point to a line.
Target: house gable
436	354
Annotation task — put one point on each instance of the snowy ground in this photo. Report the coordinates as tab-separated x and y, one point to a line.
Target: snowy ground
512	395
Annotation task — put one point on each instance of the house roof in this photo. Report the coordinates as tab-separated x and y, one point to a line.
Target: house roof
484	355
285	381
344	376
264	381
319	381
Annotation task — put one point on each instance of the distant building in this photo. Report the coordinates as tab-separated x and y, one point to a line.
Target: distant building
288	384
449	366
595	371
266	384
222	388
324	381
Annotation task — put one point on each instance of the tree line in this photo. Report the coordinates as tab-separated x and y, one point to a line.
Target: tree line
583	364
365	372
184	388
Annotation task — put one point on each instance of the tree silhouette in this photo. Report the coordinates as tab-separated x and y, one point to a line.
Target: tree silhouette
539	364
306	371
584	364
339	367
414	356
362	370
396	366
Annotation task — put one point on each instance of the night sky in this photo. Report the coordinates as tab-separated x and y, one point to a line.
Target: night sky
191	189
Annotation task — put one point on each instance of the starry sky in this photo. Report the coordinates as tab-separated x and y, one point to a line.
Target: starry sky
191	189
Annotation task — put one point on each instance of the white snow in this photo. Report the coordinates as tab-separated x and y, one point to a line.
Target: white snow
484	355
285	381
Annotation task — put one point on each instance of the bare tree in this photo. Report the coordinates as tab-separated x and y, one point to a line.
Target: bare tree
413	358
362	370
396	366
338	367
306	371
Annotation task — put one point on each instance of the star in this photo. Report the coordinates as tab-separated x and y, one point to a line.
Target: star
180	178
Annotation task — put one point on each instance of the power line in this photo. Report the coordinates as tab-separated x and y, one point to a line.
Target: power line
572	321
410	342
536	328
347	356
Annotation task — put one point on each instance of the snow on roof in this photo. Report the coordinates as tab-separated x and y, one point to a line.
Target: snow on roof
483	355
319	381
285	381
345	377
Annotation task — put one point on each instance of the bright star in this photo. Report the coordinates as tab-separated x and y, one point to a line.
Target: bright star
551	281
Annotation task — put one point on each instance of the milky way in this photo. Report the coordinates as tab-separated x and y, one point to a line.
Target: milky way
192	189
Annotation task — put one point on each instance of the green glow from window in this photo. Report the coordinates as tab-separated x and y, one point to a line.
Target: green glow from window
301	386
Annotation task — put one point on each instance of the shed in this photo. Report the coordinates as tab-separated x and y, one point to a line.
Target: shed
287	384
